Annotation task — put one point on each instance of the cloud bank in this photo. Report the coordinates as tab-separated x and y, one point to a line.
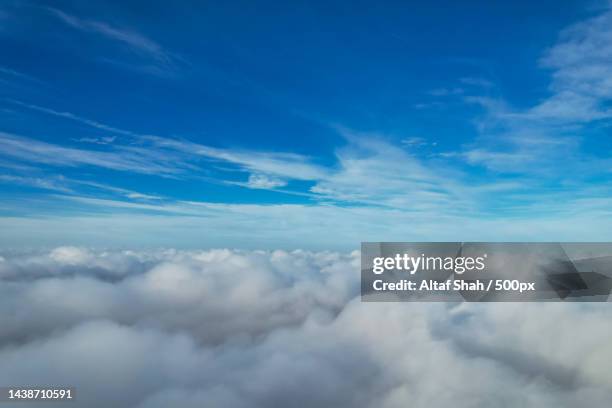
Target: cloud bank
226	328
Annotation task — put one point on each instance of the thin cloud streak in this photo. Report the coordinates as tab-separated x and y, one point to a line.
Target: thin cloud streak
138	160
73	117
16	74
134	40
163	62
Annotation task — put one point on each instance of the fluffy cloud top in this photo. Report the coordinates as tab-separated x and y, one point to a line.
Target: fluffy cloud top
223	328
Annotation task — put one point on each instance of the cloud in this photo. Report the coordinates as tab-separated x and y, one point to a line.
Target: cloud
167	223
105	140
70	255
417	142
126	158
16	74
260	181
162	62
375	188
47	183
134	195
535	139
446	91
280	289
273	165
269	328
582	69
134	40
68	185
477	82
369	169
76	118
373	171
280	164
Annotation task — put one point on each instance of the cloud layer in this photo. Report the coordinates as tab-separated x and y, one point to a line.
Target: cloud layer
226	328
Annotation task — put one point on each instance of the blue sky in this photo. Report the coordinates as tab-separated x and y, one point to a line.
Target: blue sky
304	124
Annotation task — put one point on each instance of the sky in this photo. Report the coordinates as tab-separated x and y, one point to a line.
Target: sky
184	187
312	125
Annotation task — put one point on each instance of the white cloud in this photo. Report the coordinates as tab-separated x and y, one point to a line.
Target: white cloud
581	60
75	118
68	185
125	158
373	171
269	328
132	39
416	142
214	295
280	164
369	169
536	139
97	140
529	217
48	183
70	255
134	195
277	164
151	57
261	181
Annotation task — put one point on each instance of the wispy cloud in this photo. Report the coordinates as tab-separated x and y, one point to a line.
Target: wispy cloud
369	170
164	63
105	140
270	164
477	82
139	160
260	181
73	117
16	74
374	171
126	222
536	139
582	72
446	91
73	187
123	192
134	40
289	165
18	81
46	183
417	142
